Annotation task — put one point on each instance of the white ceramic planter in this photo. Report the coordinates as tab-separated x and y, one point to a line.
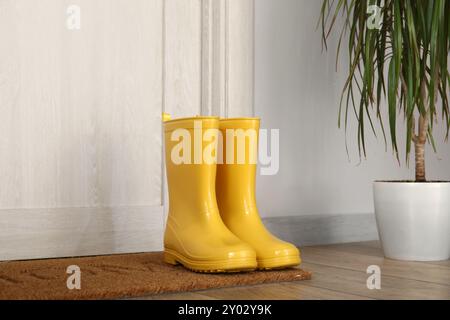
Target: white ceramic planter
413	220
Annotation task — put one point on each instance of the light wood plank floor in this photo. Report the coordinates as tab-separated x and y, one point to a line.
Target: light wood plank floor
339	272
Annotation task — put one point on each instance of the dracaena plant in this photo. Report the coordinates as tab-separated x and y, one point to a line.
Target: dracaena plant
398	51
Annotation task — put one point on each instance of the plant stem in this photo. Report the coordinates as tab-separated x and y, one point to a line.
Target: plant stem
419	144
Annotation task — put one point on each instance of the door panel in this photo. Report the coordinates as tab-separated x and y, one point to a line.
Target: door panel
80	114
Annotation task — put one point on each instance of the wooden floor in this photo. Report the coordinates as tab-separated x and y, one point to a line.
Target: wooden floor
339	272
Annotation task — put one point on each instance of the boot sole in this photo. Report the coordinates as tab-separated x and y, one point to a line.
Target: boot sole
219	266
279	263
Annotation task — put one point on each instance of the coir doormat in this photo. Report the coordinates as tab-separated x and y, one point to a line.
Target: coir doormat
119	276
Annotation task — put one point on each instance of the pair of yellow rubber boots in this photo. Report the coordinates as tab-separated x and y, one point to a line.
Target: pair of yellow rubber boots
213	223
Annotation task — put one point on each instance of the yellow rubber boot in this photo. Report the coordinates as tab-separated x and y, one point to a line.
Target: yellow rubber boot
235	189
195	234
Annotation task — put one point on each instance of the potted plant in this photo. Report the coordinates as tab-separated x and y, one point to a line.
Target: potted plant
398	69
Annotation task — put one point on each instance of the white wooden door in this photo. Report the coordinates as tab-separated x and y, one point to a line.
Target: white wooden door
80	113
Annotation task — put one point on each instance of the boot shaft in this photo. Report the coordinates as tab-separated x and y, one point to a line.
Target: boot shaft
236	177
190	157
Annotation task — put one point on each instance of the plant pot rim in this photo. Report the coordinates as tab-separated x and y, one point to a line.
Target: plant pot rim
411	182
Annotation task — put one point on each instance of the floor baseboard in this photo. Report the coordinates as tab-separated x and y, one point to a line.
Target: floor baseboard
324	229
68	232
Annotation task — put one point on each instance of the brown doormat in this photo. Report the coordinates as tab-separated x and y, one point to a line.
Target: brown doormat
119	276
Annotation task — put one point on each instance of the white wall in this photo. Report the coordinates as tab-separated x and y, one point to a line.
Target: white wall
297	90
